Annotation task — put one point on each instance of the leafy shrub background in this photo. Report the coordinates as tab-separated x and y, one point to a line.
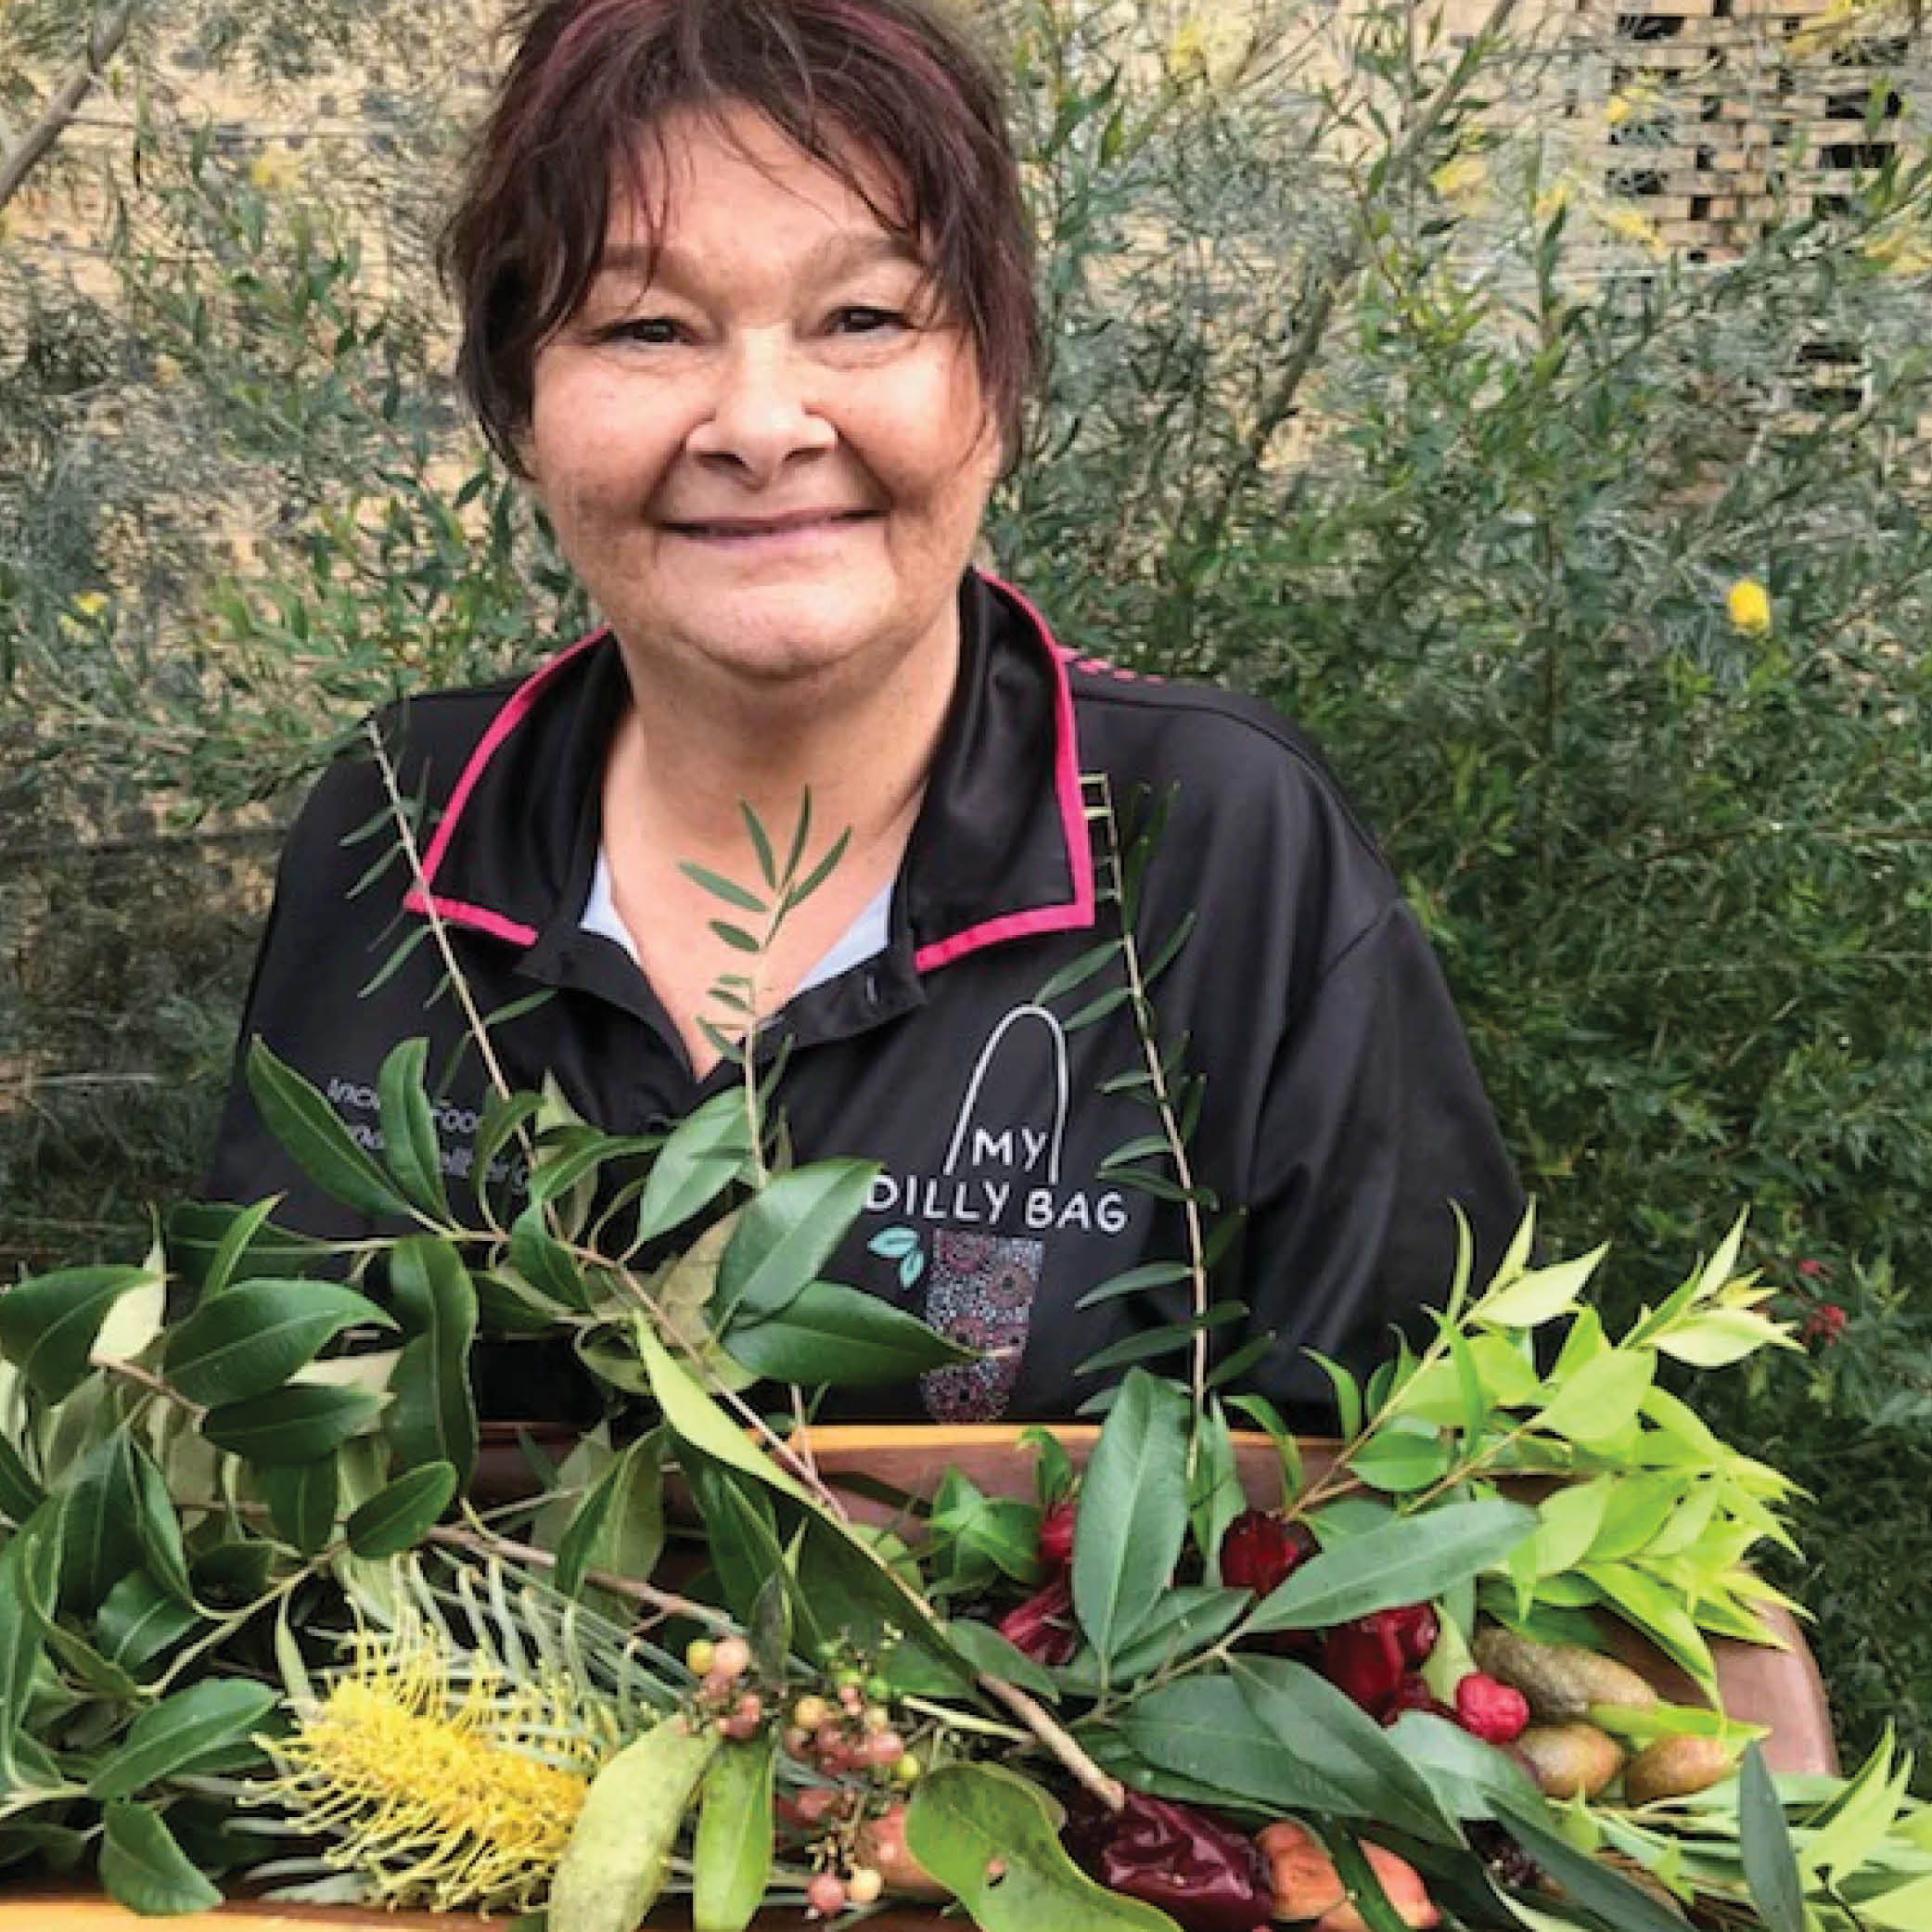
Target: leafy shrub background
1361	395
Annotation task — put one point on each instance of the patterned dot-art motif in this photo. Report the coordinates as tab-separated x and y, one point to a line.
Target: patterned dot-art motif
981	1292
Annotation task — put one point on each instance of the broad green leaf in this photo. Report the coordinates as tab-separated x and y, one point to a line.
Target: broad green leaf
138	1620
1568	1519
297	1424
211	1242
705	1153
1399	1562
544	1262
1203	1729
619	1526
1539	1296
1132	1513
979	1536
1609	1897
986	1651
1857	1823
29	1575
20	1494
48	1325
695	1416
1658	1612
1470	1778
1187	1618
1636	1509
1346	1746
302	1500
841	1337
99	1528
788	1232
409	1142
1402	1461
315	1136
433	1418
990	1837
848	1579
1347	1394
1596	1402
255	1336
1214	1492
1721	1336
142	1869
618	1857
182	1733
159	1528
730	1856
398	1516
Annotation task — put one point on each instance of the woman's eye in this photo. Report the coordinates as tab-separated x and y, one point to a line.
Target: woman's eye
656	330
859	320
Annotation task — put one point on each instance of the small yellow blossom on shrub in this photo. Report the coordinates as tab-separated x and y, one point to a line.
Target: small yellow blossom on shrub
1617	109
1459	178
1750	604
1187	52
273	169
90	602
1627	225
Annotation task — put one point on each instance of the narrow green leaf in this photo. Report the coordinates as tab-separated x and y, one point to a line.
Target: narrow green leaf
138	1620
695	1416
544	1262
409	1142
820	873
159	1528
1600	1400
1214	1492
1135	1281
297	1424
705	1153
234	1245
29	1576
731	1855
986	1651
1365	1890
761	844
1600	1891
253	1337
1347	1394
142	1869
729	890
788	1232
100	1538
1533	1298
839	1337
619	1526
735	936
1231	1368
1151	1343
1079	971
48	1325
315	1136
433	1416
1400	1562
182	1733
400	1515
1133	1515
20	1494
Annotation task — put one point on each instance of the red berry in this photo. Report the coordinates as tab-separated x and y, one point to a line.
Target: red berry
1489	1710
1416	1631
1364	1658
1056	1536
1823	1325
826	1894
731	1657
1043	1627
1260	1551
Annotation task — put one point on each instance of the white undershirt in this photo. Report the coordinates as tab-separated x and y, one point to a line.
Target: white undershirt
864	938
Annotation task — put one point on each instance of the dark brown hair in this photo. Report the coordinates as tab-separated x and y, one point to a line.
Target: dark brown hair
892	83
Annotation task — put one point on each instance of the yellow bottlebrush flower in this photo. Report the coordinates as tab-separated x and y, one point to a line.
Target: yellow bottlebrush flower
1750	604
1187	52
1459	178
459	1796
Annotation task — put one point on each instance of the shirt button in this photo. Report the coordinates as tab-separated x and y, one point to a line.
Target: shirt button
871	989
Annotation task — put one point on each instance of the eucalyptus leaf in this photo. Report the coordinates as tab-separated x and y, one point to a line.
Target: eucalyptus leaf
1132	1513
990	1838
253	1336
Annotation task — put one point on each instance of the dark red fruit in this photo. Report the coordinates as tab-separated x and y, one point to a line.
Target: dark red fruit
1416	1631
1364	1658
1203	1876
1056	1536
1260	1551
1413	1694
1043	1627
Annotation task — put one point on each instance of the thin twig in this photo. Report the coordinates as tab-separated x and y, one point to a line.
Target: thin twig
1047	1729
104	39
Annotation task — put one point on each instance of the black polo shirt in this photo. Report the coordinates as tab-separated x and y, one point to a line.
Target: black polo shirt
1342	1113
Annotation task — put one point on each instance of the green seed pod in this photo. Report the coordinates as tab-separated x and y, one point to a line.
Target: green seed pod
614	1867
731	1859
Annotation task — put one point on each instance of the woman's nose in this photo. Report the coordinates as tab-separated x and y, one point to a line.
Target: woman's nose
763	409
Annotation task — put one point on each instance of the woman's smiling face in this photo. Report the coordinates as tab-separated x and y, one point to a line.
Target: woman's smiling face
765	454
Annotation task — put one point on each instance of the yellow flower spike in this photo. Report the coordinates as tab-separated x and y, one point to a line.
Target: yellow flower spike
437	1794
1750	604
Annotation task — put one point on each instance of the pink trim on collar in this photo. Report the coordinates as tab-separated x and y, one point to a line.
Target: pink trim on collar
455	910
1070	914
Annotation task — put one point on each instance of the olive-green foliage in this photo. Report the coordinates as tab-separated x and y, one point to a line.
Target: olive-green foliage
1460	478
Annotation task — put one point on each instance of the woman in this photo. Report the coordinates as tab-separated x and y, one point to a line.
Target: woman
746	297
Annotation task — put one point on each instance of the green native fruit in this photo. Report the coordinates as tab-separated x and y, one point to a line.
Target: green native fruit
614	1866
1675	1767
1567	1760
1561	1681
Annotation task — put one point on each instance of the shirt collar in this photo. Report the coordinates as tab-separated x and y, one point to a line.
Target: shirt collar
999	850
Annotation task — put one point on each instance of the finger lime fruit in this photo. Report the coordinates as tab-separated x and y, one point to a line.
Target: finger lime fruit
1561	1681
